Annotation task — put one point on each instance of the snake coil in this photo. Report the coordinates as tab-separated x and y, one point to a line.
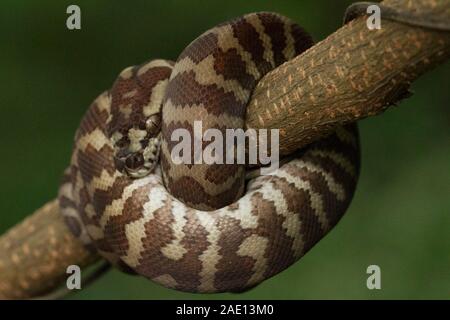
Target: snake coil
153	220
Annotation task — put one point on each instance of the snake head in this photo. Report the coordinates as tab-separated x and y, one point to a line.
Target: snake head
134	124
137	146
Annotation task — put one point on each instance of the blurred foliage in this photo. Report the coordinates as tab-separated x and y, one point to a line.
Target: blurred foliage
400	216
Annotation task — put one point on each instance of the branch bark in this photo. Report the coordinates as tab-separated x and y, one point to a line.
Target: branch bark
352	74
35	254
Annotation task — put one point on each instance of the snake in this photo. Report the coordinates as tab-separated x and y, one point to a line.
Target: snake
202	228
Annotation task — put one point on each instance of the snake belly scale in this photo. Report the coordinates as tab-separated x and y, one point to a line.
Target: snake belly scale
153	219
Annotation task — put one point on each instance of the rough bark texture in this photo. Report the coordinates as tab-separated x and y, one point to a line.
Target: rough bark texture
35	254
352	74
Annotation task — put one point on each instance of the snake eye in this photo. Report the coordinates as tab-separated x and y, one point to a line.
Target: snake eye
134	161
153	124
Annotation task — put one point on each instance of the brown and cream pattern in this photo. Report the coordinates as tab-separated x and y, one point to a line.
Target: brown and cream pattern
114	197
212	81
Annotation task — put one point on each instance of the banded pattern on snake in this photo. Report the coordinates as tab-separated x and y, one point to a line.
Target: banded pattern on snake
152	220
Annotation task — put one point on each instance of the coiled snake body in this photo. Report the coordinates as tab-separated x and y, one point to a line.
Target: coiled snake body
152	220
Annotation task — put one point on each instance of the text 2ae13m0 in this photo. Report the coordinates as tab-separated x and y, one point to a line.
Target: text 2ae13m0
226	309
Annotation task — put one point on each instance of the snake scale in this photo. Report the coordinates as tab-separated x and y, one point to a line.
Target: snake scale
201	228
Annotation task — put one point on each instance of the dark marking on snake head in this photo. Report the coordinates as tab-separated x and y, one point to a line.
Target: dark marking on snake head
134	161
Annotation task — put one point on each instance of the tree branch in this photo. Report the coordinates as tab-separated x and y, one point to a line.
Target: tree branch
352	74
35	254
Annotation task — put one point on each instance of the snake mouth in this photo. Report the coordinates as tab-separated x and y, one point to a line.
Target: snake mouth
140	173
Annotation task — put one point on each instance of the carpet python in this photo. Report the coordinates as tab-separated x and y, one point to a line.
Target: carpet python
201	228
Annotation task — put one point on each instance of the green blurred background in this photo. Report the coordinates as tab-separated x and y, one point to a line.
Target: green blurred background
400	216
